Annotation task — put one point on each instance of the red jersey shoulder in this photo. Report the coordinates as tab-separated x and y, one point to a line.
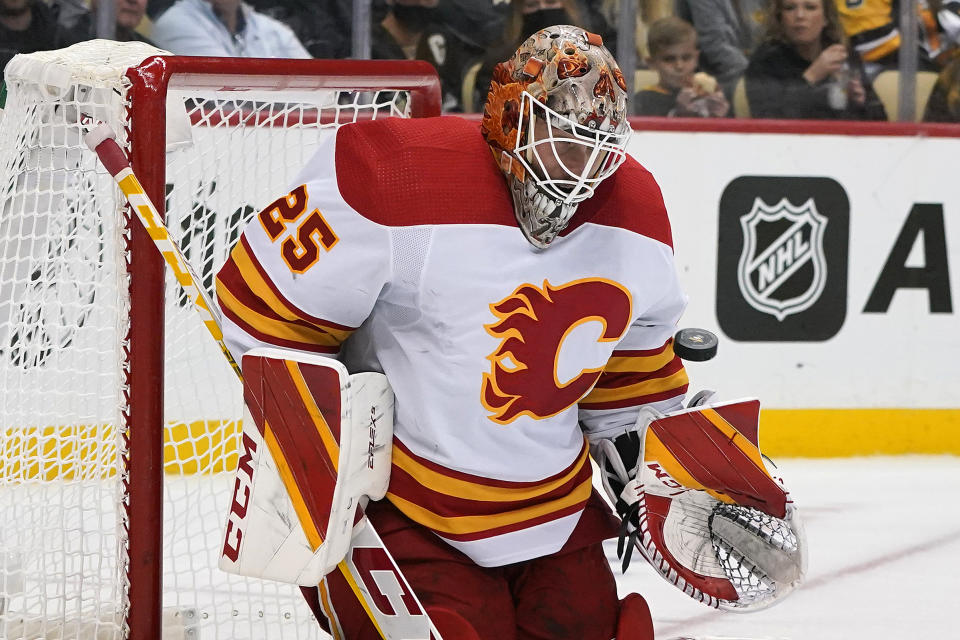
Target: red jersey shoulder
401	172
629	199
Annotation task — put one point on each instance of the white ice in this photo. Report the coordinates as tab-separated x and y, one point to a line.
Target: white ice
884	564
884	558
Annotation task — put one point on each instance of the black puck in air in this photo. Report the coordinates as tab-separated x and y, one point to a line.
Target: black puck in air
697	345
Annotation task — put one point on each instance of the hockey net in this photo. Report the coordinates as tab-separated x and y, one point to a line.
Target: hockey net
119	417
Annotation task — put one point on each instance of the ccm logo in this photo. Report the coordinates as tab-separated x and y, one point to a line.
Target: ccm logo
241	500
663	476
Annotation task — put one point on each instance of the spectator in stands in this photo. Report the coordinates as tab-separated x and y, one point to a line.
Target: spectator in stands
728	31
873	28
410	30
69	12
648	12
157	7
399	34
324	27
804	70
680	91
27	26
457	37
224	28
127	13
939	29
944	103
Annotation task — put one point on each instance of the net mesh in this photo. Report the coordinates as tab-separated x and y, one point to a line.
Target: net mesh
751	580
64	307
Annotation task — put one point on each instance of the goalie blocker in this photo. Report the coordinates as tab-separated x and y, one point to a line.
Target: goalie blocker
316	444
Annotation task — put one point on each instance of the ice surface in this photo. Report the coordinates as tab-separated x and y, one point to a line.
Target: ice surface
884	550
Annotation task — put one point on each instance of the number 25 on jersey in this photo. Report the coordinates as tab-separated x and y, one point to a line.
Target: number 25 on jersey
309	231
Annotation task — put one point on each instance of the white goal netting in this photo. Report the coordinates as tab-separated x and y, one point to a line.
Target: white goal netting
230	145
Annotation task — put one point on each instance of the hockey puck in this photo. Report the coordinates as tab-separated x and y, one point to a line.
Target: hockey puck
697	345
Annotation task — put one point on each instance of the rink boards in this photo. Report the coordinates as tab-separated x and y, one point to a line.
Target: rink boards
825	261
826	257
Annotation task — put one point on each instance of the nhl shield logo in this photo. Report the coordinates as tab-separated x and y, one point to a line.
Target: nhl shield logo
783	267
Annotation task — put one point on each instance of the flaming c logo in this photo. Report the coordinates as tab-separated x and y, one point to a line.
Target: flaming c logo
532	324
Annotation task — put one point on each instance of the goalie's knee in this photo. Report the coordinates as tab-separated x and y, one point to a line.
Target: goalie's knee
634	621
451	624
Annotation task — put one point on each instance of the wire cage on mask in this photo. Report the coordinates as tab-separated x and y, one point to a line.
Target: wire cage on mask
601	145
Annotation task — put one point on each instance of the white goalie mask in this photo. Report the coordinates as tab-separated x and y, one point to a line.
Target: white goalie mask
555	118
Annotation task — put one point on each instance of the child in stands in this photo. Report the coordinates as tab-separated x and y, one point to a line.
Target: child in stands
680	90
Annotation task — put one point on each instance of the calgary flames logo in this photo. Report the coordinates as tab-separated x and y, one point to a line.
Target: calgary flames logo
532	325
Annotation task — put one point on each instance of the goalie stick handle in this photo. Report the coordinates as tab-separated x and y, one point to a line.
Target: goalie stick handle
102	141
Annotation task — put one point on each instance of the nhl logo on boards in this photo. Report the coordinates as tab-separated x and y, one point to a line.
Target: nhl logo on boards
780	241
782	258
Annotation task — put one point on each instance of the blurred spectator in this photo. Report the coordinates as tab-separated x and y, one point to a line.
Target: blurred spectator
526	18
939	29
648	12
459	28
479	23
69	12
407	31
157	7
803	69
872	26
27	26
398	35
680	91
728	31
128	14
944	103
324	27
224	28
450	34
456	38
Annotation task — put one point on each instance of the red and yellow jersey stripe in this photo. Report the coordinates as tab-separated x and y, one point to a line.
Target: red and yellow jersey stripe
250	299
636	377
464	507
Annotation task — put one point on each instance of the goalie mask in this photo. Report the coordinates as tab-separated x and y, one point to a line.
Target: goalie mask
556	120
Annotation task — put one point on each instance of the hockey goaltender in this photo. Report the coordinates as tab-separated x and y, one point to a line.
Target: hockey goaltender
514	356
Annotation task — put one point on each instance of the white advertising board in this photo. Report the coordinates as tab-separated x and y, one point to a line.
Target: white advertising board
827	264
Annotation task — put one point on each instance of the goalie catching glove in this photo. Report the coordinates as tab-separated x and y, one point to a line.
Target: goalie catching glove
696	500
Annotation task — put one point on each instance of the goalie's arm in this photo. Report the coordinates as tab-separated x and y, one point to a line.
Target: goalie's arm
643	369
307	269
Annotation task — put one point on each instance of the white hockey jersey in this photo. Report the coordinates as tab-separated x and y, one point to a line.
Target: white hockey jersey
400	235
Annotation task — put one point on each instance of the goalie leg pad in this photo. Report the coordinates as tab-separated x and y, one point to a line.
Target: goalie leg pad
316	443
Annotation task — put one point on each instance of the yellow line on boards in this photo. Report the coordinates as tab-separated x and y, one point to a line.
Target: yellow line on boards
835	433
211	446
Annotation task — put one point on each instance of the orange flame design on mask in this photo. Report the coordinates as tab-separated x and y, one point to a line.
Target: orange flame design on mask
532	325
502	114
571	62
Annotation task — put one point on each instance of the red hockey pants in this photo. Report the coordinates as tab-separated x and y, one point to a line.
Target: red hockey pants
570	595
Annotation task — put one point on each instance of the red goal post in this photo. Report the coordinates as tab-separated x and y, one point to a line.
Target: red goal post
146	153
211	139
